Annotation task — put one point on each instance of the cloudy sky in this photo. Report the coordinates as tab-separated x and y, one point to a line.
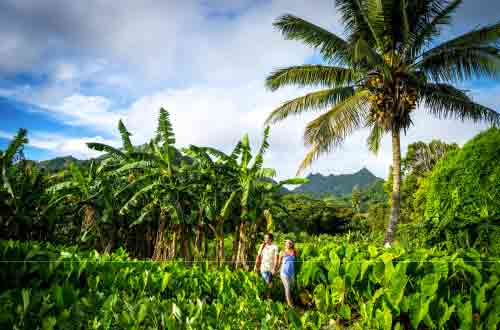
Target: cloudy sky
70	69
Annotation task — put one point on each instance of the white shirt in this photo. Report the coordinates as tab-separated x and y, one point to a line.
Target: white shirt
269	253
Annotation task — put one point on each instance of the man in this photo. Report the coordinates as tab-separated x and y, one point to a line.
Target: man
268	255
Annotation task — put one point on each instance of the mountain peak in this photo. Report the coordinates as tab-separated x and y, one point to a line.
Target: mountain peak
339	185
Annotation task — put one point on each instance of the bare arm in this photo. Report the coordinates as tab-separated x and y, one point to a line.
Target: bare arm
257	257
276	261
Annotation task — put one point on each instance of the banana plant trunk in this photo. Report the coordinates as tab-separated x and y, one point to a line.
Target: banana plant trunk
396	187
173	242
236	239
88	217
241	257
220	242
161	247
253	239
198	241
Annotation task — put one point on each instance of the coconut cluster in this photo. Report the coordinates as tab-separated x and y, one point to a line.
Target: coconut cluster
382	109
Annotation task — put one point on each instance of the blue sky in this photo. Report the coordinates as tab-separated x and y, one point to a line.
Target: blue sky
70	70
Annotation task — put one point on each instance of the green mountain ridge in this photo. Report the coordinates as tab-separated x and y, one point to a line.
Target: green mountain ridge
318	185
339	185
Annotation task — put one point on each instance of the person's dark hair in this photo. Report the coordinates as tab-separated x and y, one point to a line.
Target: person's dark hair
271	237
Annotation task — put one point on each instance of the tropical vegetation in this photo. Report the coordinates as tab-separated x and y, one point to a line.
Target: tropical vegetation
388	66
154	236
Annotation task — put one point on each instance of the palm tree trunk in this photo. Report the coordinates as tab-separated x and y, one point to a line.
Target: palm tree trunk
396	187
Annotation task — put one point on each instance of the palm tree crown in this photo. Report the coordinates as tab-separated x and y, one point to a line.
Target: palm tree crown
387	66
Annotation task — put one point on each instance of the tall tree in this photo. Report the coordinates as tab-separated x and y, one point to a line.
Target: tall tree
389	64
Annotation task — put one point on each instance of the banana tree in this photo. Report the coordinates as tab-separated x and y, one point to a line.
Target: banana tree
248	176
217	190
160	190
90	191
21	193
8	157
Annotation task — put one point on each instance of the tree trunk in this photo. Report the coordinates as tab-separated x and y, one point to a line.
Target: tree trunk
161	248
396	187
198	241
110	242
88	218
219	236
236	239
173	246
241	257
253	239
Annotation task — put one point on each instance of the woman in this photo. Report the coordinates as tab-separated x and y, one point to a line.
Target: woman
287	273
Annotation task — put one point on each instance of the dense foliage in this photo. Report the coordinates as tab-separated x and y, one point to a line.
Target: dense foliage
462	196
402	289
44	287
342	281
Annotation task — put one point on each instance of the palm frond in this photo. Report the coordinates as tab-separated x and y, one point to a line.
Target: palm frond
331	128
310	102
430	29
486	36
374	138
314	152
458	64
445	101
332	47
310	75
353	16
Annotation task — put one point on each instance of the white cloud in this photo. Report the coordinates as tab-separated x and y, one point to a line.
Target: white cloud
61	145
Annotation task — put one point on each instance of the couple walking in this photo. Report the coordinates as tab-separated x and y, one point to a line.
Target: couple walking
271	260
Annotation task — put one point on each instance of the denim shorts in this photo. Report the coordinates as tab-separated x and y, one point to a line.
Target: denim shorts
267	276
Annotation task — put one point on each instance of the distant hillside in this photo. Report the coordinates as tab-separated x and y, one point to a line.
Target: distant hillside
338	185
59	163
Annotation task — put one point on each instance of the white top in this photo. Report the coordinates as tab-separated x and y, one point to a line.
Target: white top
269	253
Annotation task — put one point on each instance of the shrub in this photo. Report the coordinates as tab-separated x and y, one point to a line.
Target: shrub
462	196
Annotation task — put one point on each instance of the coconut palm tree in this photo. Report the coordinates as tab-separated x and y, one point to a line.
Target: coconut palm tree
388	65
